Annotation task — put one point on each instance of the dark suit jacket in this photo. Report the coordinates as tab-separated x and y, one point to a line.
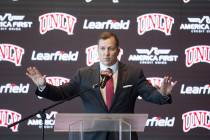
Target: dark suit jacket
123	101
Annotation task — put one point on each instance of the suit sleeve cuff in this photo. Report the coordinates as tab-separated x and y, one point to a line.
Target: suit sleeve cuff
41	88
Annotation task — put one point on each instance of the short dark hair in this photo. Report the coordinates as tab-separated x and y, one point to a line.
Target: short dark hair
106	35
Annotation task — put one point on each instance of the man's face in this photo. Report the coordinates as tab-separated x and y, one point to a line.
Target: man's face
108	51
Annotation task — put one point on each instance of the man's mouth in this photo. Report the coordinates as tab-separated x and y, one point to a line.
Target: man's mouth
107	59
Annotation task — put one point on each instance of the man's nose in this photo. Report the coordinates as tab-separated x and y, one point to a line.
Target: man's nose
106	52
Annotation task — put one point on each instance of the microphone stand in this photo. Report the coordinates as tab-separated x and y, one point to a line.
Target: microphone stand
42	111
42	114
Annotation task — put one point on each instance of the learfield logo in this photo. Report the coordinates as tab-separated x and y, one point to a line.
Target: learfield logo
197	54
57	21
10	22
195	90
49	121
92	55
155	21
55	56
196	119
110	24
153	56
11	53
160	122
14	88
56	80
8	117
197	25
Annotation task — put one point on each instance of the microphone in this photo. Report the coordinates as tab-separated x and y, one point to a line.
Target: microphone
105	76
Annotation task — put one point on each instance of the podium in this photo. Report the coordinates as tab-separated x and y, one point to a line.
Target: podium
78	124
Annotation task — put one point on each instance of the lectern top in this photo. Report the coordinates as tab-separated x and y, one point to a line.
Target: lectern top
95	122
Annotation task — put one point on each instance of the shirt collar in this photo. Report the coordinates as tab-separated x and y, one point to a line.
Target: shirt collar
113	67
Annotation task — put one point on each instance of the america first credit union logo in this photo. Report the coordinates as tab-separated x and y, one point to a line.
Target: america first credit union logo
11	53
49	122
153	56
10	22
57	21
8	117
197	25
155	21
197	54
196	119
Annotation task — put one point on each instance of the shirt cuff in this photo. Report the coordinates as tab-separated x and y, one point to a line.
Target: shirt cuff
41	88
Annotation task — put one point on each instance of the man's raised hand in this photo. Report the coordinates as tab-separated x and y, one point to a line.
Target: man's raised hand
34	74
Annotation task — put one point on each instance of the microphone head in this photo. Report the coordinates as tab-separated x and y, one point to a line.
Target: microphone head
105	76
108	72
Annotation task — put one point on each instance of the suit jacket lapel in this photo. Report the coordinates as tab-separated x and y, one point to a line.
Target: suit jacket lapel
96	75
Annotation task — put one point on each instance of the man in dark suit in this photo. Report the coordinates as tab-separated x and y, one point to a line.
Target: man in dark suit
124	84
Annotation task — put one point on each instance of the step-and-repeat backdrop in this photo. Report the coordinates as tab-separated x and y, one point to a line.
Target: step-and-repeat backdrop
58	37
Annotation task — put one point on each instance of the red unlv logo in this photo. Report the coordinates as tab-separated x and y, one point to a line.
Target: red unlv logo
197	54
8	117
11	53
59	21
156	81
56	81
194	119
155	21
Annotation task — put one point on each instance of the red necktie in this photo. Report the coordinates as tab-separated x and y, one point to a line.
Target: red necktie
109	92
